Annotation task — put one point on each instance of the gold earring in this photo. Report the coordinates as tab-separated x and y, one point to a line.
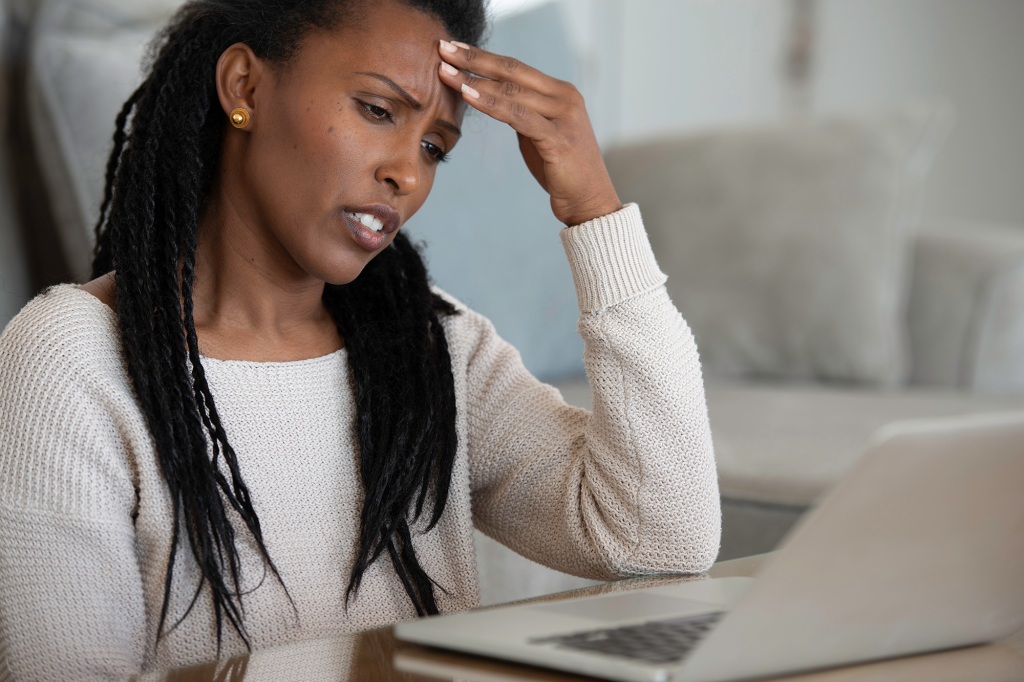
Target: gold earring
239	117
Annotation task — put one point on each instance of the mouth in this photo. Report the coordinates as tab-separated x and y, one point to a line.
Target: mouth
371	225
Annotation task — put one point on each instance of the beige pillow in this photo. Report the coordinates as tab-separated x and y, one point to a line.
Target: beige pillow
786	246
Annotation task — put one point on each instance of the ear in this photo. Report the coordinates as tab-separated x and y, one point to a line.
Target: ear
238	74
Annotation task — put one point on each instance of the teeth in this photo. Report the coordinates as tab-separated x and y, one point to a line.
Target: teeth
369	221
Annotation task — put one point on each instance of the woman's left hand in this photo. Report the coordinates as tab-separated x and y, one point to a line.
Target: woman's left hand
550	118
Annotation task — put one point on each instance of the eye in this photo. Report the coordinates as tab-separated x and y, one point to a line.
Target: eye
375	112
436	154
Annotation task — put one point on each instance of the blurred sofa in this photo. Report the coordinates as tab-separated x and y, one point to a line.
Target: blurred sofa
15	284
824	307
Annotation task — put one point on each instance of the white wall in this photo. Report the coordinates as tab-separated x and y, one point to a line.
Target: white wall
649	66
699	62
655	65
879	51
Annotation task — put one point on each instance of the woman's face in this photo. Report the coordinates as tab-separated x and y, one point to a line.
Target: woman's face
345	141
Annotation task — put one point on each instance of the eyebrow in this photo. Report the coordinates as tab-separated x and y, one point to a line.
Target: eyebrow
410	100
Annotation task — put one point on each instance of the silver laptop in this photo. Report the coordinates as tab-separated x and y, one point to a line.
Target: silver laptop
919	548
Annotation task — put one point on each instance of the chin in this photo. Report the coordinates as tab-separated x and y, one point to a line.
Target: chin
341	273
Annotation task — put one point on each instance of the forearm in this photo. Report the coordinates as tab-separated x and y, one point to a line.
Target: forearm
631	487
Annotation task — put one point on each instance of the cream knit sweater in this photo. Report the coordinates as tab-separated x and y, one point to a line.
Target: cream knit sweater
85	521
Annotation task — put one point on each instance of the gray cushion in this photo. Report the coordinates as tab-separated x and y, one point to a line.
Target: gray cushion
14	284
15	290
83	63
786	246
787	445
97	17
999	365
966	313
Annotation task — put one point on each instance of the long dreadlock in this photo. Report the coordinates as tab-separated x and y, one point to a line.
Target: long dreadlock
159	176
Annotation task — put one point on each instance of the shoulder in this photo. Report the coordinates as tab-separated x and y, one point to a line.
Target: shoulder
62	328
465	327
61	376
66	405
478	351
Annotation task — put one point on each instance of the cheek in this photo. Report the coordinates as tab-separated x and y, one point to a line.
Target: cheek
304	162
278	157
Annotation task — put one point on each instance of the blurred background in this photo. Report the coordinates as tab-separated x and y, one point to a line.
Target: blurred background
651	66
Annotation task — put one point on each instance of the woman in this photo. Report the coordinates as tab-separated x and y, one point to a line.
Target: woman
259	423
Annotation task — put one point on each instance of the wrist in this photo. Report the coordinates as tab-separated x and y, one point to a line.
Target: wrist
611	259
591	210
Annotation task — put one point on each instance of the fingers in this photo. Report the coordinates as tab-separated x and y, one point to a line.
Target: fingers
520	110
486	96
511	98
550	116
499	68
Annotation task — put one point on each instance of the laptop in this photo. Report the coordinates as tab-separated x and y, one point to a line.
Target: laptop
919	548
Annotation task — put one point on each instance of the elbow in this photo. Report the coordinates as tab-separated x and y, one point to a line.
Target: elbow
701	545
703	555
671	549
696	527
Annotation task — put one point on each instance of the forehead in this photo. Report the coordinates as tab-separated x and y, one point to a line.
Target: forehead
389	38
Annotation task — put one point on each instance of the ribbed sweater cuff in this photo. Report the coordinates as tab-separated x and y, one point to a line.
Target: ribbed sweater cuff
611	259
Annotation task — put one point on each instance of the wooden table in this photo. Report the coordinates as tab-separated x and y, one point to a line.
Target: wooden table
377	655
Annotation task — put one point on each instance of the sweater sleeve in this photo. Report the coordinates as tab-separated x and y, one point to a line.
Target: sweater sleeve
71	604
629	488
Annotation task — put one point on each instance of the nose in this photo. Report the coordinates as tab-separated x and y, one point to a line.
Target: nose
401	170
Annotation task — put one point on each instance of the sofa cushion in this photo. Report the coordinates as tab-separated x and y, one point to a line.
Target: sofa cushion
966	308
97	17
786	246
999	363
786	445
84	62
14	282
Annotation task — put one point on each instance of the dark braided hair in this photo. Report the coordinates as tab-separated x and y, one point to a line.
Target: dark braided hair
159	176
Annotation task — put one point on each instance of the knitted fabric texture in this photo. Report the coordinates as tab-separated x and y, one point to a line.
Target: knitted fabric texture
85	518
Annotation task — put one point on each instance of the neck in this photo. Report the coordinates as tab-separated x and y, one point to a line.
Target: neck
252	302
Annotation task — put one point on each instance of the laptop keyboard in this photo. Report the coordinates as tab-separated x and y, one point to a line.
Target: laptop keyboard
659	641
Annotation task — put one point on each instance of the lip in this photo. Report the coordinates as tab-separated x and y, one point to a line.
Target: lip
364	236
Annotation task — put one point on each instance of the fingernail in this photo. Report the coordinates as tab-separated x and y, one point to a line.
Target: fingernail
464	46
448	47
470	91
449	69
